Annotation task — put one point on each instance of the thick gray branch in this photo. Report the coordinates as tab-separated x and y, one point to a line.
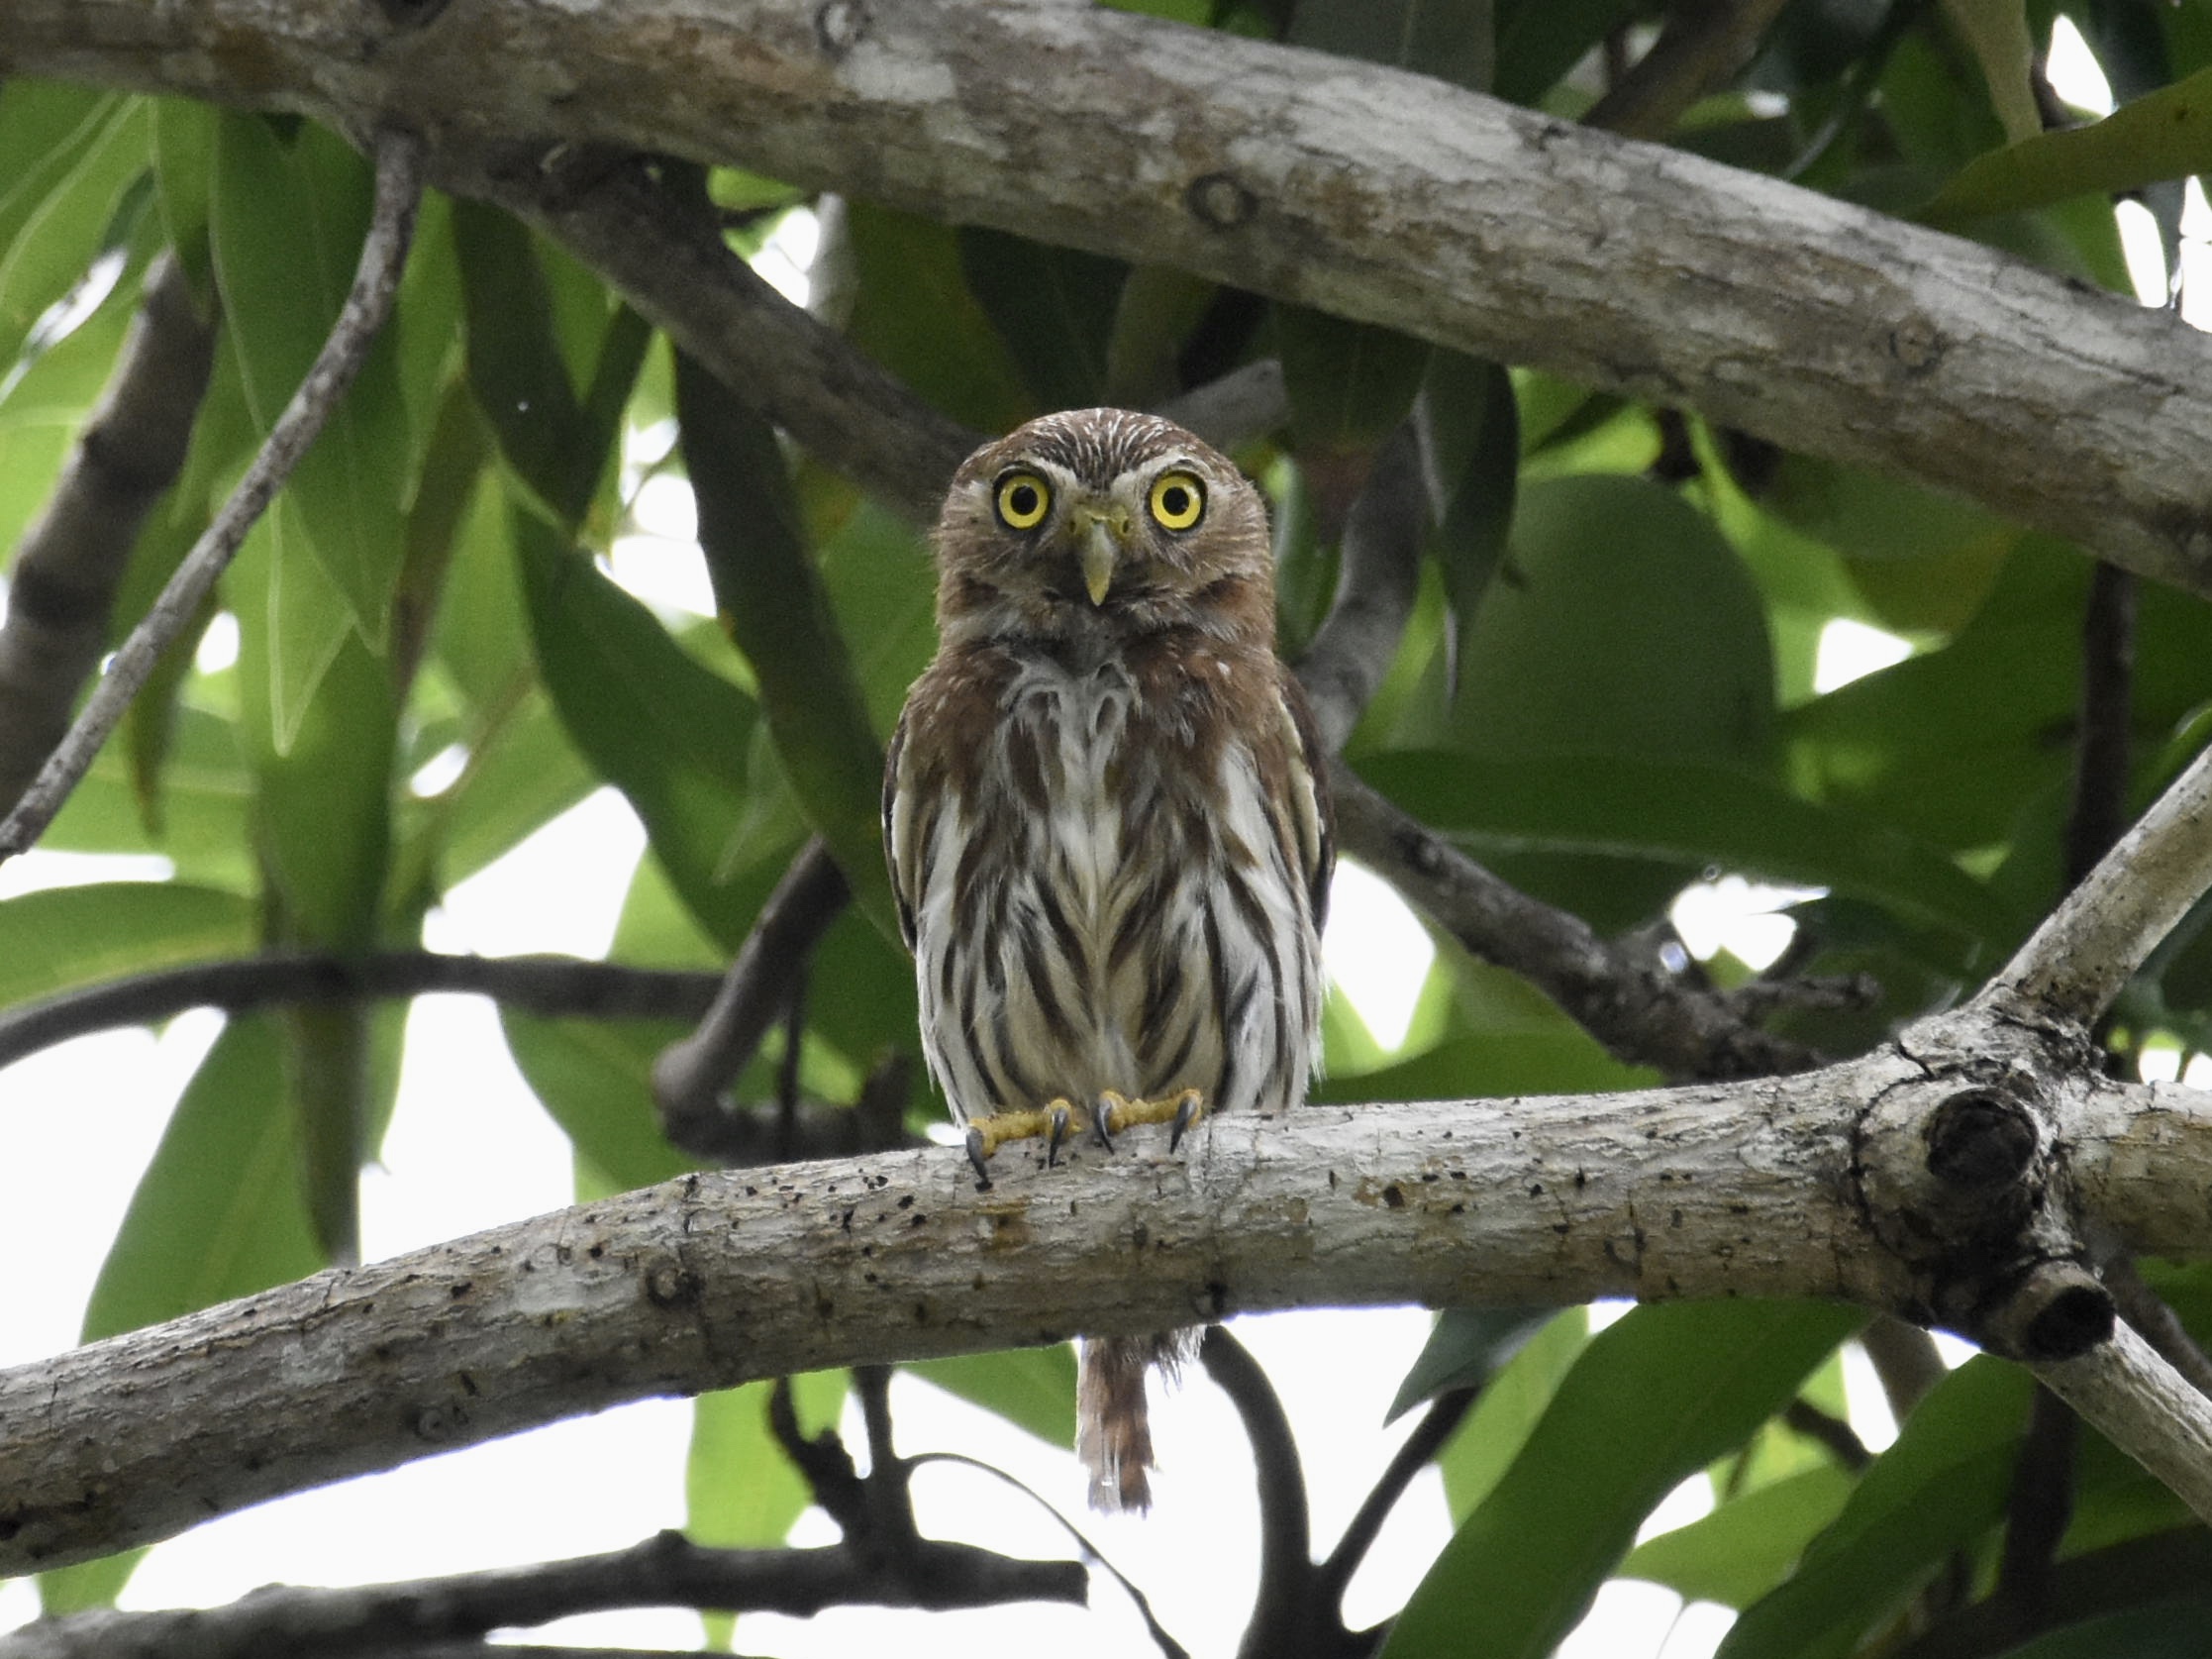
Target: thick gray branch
1823	1183
1380	195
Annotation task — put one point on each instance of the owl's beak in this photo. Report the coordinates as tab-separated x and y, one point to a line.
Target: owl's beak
1104	531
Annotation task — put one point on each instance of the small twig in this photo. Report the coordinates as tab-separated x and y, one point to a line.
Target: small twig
2102	748
2039	1505
63	581
368	302
690	1074
1168	1646
1437	1425
664	1571
1834	1433
1244	404
554	987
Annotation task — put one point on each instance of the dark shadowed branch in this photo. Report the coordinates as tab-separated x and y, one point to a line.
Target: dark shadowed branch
64	579
664	1571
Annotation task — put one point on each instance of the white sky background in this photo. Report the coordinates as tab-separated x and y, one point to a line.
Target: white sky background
471	1148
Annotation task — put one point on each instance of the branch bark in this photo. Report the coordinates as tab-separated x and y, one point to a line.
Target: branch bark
1383	196
1930	1178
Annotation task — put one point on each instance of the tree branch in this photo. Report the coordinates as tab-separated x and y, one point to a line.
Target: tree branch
1860	1182
668	1570
2083	956
367	303
1700	46
1383	196
1282	1604
1378	575
556	988
2145	1408
66	568
1641	1012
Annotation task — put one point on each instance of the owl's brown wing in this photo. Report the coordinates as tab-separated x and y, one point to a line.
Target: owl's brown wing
1313	814
898	818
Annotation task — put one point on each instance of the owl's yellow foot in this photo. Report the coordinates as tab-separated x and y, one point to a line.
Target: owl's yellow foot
1052	1121
1115	1112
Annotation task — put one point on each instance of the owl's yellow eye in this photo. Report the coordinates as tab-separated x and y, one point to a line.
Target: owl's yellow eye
1179	501
1024	499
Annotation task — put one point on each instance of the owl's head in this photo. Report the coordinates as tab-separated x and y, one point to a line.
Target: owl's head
1101	522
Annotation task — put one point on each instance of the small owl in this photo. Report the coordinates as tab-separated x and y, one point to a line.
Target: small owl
1108	821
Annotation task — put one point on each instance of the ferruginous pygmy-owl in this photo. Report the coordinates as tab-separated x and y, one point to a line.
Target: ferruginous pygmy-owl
1108	822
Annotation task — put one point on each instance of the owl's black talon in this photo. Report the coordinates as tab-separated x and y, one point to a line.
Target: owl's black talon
1055	1136
1187	1111
978	1155
1100	1113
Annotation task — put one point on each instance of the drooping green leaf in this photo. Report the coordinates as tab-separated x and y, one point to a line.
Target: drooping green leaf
90	1583
1941	1484
206	793
1512	1404
62	938
61	212
1653	1400
1034	1388
1538	40
2166	134
287	223
1053	307
1350	384
1744	1548
595	1077
1996	31
1465	1349
673	735
913	313
1470	431
219	1212
772	598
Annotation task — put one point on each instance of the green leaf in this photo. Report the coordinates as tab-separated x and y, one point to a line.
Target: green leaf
1538	40
1689	815
674	737
61	213
1653	1400
1053	307
1465	1349
62	938
1996	31
772	599
1350	384
206	791
1511	1406
90	1583
1470	429
1034	1388
913	313
1744	1548
287	224
1939	1487
1450	40
219	1212
2166	134
1623	623
595	1077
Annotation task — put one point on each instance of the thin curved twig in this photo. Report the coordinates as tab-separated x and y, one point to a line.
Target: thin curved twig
1379	576
1437	1425
399	160
1284	1605
555	986
666	1570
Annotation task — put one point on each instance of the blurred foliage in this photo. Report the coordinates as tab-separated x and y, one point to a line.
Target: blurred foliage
1620	678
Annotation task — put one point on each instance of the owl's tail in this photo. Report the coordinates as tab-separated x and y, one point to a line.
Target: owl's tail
1113	1422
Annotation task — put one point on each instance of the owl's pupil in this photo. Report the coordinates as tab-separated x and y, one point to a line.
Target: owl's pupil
1022	498
1175	501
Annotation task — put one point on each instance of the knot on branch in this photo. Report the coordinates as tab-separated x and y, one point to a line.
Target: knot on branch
1961	1176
